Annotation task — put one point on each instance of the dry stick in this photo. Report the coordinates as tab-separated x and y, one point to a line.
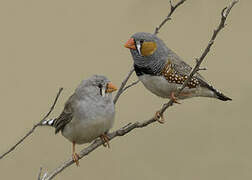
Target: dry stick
126	129
40	171
168	17
34	127
121	89
132	84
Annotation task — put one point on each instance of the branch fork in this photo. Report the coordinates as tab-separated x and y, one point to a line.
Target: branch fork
130	126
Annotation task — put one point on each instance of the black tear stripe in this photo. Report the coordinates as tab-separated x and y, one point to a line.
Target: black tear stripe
100	87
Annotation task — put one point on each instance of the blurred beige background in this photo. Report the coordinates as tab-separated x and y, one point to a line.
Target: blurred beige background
52	43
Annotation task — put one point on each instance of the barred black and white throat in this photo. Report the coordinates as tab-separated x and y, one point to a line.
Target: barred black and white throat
163	72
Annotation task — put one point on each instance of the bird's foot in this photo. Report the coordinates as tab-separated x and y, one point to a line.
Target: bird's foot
105	140
159	117
173	98
76	158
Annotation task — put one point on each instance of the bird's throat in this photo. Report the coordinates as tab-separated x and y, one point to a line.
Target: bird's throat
154	68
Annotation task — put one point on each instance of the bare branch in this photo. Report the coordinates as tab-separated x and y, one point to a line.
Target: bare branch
168	17
132	84
98	142
39	175
121	89
131	126
34	127
202	69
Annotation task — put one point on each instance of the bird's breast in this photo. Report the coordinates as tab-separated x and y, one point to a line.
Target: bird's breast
89	123
158	85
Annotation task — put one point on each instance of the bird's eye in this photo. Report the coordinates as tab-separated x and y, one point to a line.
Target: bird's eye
141	41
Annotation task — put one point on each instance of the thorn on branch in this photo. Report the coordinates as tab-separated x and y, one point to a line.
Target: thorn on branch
202	69
223	12
172	7
197	60
39	175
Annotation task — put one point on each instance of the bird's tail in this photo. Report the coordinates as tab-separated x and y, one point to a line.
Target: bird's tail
222	97
49	122
218	94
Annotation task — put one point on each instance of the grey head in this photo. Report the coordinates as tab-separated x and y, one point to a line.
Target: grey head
148	51
97	87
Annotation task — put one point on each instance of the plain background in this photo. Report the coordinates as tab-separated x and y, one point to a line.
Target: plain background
49	44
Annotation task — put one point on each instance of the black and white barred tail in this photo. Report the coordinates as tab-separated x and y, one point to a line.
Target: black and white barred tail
49	122
219	95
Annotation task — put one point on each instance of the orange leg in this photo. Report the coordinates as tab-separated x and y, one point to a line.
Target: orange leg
75	156
105	140
173	98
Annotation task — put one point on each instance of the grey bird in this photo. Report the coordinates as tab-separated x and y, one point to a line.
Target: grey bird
163	72
88	113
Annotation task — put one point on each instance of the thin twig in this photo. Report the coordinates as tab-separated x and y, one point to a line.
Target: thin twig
168	17
98	142
121	89
131	126
39	175
34	127
132	84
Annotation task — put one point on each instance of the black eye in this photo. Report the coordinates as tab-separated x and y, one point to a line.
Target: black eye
141	41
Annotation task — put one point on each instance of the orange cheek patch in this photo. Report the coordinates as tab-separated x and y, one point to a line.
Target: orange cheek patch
148	48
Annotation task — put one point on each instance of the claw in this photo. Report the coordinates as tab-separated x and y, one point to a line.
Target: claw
159	117
75	156
105	140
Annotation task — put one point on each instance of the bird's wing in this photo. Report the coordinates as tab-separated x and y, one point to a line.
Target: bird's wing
177	71
66	115
181	67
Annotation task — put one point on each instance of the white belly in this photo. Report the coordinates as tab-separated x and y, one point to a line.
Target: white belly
161	87
158	85
84	131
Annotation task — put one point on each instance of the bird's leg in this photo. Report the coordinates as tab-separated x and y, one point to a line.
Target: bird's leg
159	117
105	140
173	98
75	156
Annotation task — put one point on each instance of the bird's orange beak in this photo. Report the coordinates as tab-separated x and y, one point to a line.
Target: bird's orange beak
110	88
130	44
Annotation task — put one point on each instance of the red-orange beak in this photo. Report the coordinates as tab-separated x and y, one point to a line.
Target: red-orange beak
110	88
130	44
